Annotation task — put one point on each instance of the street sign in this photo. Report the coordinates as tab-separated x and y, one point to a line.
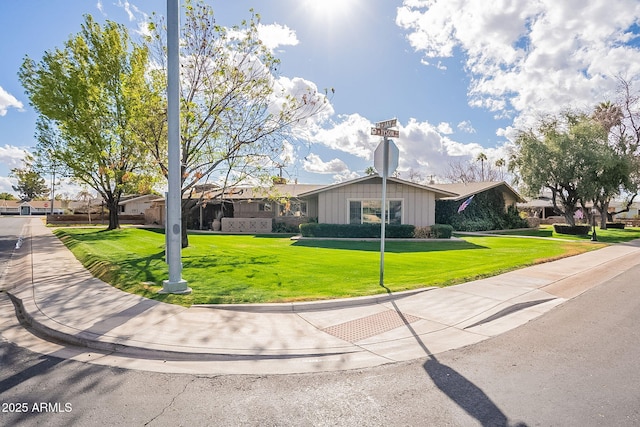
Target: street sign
392	163
387	133
387	124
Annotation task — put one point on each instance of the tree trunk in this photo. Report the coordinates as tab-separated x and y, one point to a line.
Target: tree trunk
185	236
114	220
604	210
184	216
568	216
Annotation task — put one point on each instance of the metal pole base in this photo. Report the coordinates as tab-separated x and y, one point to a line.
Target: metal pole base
178	288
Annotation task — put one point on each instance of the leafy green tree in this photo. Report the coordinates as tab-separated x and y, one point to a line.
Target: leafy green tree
563	154
90	97
370	171
7	196
30	184
235	113
616	166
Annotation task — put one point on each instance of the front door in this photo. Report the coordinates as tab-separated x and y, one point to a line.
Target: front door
25	210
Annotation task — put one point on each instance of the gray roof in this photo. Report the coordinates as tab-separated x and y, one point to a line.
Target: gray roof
464	190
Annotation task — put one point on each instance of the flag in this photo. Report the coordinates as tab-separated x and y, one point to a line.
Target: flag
464	205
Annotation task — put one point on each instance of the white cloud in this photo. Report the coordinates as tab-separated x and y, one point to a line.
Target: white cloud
288	155
275	35
6	184
129	8
12	156
313	163
8	101
525	57
423	147
336	167
351	135
466	127
445	128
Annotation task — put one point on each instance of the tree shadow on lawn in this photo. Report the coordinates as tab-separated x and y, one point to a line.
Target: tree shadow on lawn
390	246
73	239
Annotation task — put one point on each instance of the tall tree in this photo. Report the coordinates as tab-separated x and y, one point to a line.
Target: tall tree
563	154
89	95
481	158
30	184
500	164
235	112
616	166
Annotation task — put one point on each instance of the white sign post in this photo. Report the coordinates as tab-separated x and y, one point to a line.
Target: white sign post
386	162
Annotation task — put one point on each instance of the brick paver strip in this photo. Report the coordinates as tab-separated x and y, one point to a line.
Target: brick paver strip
366	327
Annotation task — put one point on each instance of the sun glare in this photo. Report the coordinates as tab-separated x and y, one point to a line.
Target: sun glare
330	10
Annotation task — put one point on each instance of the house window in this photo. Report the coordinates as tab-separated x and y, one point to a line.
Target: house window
293	208
264	207
370	211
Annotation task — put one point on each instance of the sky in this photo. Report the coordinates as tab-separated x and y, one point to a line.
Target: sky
461	76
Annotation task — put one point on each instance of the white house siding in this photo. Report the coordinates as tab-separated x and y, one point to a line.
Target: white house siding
136	208
418	206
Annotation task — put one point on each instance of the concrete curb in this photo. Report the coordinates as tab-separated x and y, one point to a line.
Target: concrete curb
304	307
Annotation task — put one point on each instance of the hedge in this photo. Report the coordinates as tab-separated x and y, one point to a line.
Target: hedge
403	231
441	231
619	225
576	230
485	212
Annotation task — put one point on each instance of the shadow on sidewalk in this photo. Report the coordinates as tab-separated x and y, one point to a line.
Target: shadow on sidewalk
459	389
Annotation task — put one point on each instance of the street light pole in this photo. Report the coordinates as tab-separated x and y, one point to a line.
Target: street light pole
173	227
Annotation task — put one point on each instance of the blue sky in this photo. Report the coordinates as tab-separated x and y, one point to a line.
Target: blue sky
460	75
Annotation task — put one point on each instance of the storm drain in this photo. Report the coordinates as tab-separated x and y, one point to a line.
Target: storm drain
366	327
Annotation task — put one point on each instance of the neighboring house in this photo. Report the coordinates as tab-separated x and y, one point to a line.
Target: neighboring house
135	205
253	209
617	205
360	201
33	207
464	191
93	205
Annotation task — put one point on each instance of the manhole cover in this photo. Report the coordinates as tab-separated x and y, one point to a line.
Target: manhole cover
366	327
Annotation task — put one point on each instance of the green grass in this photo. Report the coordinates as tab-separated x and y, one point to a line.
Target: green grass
241	269
611	235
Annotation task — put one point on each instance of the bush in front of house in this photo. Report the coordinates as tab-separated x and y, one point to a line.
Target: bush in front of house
403	231
441	231
618	225
574	230
485	212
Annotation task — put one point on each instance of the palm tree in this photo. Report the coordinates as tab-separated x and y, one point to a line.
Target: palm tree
500	164
481	158
608	115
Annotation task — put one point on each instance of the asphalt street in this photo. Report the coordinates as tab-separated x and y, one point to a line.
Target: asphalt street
575	366
10	228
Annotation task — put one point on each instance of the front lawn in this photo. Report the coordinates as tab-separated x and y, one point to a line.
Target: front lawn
242	269
611	235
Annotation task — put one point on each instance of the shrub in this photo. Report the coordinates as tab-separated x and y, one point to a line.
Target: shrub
485	212
576	230
281	227
441	231
355	230
422	233
476	225
618	225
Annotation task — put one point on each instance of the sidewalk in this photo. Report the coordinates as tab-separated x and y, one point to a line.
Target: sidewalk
58	298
